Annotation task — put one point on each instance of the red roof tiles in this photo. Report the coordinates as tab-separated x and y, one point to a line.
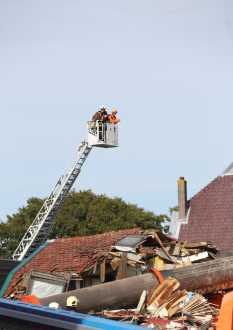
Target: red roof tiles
211	214
72	254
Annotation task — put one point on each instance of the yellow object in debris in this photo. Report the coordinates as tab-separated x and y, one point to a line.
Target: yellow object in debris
72	301
158	263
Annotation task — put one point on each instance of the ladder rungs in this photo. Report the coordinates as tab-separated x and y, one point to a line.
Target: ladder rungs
44	219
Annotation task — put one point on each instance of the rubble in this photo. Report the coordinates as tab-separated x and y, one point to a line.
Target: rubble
179	309
154	249
203	278
146	279
159	251
190	299
132	254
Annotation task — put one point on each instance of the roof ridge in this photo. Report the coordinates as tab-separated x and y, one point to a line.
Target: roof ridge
97	235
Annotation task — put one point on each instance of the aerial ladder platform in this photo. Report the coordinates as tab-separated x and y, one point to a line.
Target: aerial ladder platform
103	135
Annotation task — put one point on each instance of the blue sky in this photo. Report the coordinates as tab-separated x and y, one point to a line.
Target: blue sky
165	64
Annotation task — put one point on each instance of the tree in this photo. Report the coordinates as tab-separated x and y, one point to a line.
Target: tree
83	213
13	229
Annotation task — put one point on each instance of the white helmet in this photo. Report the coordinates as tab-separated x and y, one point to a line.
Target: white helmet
103	107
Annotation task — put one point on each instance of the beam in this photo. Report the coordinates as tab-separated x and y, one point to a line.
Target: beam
204	277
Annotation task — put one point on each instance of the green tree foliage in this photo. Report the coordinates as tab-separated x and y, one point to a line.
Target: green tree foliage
83	213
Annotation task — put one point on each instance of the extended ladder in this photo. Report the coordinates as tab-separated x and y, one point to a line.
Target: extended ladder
99	135
39	230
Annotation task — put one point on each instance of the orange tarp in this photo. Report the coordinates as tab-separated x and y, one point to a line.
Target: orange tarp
225	320
30	300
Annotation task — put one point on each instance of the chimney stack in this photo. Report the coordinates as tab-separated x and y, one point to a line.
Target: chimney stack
182	197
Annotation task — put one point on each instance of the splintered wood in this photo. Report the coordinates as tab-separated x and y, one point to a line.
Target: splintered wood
168	303
167	300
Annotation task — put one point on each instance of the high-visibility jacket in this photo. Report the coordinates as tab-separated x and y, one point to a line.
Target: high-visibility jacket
113	119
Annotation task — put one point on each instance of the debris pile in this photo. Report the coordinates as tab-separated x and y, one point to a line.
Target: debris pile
92	260
86	277
156	250
153	249
168	307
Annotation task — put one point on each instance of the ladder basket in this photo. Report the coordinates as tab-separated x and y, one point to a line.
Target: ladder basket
102	134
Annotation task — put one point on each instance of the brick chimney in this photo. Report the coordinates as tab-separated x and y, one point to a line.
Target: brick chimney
182	197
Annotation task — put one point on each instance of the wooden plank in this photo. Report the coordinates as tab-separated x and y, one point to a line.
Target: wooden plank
102	271
122	271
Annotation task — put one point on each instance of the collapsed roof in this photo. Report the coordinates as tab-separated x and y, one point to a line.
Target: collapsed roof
73	254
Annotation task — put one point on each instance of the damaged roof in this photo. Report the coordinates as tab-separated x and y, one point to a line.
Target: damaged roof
73	254
130	243
210	217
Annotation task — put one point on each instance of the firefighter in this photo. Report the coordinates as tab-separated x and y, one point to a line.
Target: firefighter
100	118
112	118
100	115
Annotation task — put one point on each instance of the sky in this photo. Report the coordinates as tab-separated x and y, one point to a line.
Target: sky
166	65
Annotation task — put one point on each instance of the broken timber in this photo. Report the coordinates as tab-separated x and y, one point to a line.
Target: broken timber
205	277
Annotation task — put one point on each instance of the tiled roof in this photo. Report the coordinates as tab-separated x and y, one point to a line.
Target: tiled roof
211	214
73	254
